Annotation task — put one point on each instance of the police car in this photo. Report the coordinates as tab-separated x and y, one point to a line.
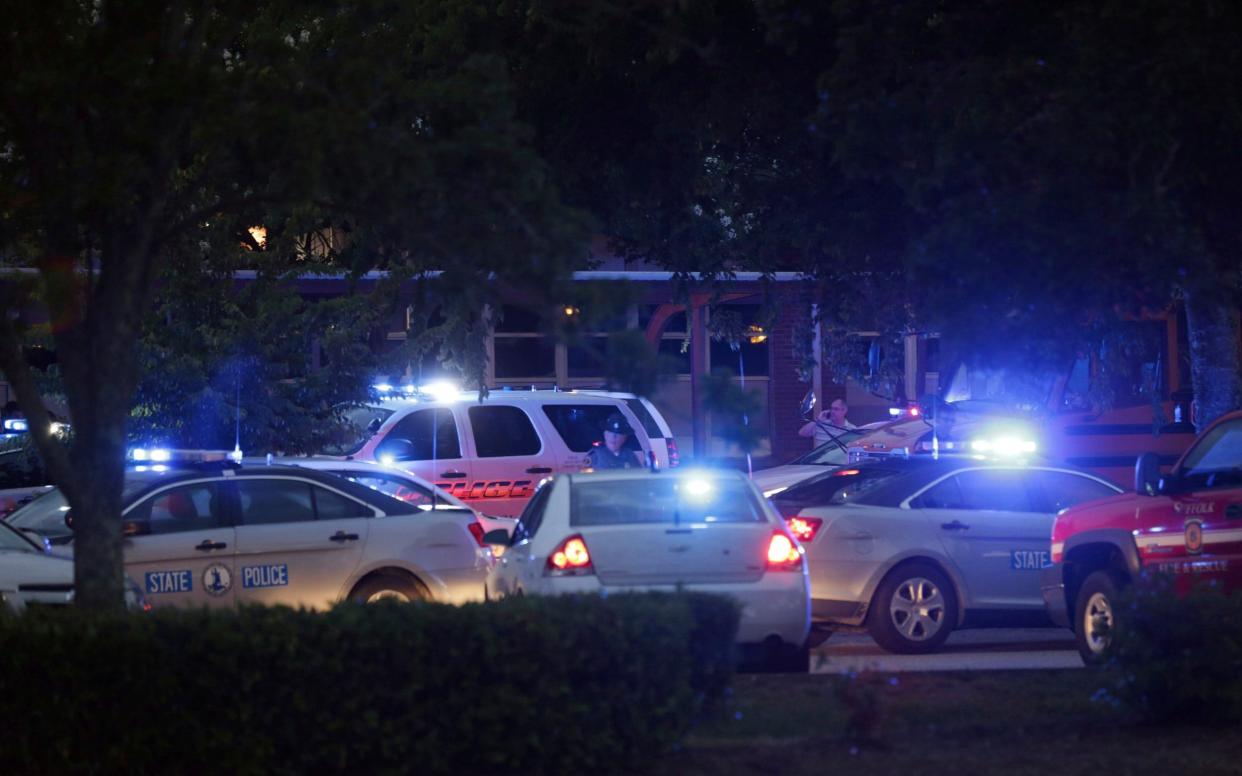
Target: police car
490	454
626	530
913	548
31	576
204	531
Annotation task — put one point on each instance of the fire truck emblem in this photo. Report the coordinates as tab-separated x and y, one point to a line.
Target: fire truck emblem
1194	536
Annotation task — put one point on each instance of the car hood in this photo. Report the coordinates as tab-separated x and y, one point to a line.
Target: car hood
33	568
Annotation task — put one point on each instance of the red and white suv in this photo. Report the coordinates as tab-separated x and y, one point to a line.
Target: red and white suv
1187	523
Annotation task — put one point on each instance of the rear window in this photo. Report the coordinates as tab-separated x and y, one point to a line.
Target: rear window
502	432
663	501
834	487
644	416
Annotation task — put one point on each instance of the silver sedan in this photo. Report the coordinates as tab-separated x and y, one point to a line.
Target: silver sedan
913	548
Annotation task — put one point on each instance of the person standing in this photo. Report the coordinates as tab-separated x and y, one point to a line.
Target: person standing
612	454
828	423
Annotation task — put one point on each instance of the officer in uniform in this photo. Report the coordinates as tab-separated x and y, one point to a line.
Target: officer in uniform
612	454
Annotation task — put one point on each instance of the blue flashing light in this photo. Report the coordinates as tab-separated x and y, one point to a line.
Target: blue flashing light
16	425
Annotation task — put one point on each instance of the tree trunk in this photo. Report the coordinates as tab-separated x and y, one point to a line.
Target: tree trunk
1214	328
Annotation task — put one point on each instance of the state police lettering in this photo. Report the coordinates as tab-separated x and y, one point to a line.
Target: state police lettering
275	575
168	582
1029	560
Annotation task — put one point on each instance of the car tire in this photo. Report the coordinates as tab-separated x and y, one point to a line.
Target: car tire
913	611
388	587
1095	606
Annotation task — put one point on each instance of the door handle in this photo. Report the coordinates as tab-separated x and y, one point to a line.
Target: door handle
341	536
206	545
539	470
452	475
956	525
1233	511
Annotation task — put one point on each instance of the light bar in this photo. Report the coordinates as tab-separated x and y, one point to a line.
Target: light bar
16	425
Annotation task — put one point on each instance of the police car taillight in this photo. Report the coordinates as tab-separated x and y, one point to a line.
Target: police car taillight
674	457
784	554
570	559
476	530
804	528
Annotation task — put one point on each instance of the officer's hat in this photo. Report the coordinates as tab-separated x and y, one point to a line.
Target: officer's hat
617	425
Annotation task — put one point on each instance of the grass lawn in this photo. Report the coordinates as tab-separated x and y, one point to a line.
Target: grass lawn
1012	722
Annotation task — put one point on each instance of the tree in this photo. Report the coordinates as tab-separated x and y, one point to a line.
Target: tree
1059	164
134	135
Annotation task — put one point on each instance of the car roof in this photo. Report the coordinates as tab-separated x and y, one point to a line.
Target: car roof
638	474
142	480
914	472
498	397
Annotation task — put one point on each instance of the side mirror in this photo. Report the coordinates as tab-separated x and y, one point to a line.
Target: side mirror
498	536
808	404
1147	474
399	449
135	528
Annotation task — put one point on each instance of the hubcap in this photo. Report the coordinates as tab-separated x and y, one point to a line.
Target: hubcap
917	609
1097	621
388	595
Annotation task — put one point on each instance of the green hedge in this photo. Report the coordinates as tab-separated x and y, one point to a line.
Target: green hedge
1178	657
536	685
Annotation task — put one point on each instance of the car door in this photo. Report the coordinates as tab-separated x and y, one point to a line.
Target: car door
427	443
298	541
988	525
1194	531
510	458
182	548
518	570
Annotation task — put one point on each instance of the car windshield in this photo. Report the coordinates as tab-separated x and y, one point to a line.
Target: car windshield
356	426
12	540
664	500
829	453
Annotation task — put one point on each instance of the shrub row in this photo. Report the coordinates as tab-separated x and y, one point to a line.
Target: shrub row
1178	657
538	685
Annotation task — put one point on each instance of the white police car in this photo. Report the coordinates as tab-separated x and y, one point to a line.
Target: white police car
213	533
628	530
491	454
31	576
914	548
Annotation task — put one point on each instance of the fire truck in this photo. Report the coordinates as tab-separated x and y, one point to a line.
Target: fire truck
1186	523
1085	416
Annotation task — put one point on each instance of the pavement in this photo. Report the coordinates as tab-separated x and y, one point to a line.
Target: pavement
984	649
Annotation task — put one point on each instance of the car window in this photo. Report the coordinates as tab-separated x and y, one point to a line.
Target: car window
943	495
355	427
432	433
645	417
501	431
829	453
334	506
265	501
580	425
404	490
994	489
664	501
528	522
1065	489
191	507
1216	460
821	489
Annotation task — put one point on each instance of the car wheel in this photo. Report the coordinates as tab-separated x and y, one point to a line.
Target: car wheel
913	611
388	587
1095	615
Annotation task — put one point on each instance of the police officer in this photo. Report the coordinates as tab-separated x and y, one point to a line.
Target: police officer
612	454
